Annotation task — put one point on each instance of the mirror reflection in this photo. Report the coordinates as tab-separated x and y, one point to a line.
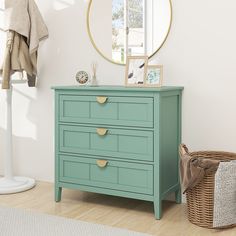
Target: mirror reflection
128	27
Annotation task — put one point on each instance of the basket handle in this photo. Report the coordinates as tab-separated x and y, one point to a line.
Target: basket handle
183	149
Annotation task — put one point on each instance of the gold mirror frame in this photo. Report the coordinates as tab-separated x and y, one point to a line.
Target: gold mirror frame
117	63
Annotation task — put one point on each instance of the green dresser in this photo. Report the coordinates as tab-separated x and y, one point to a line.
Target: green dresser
118	140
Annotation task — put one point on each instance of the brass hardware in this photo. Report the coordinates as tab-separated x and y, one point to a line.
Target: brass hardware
101	131
101	100
102	163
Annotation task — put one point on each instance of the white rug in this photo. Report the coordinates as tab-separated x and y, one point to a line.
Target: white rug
16	222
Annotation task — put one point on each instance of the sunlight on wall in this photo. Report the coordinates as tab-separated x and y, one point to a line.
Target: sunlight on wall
1	18
2	97
1	14
62	4
22	99
2	45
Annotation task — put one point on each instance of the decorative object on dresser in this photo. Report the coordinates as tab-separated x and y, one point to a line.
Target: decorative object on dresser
119	141
94	67
136	70
154	76
83	78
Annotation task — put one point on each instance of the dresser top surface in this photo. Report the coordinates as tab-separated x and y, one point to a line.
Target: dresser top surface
119	88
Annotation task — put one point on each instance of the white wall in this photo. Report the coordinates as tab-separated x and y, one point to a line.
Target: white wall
158	15
101	29
199	54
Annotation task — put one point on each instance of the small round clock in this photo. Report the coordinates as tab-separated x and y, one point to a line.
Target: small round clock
83	78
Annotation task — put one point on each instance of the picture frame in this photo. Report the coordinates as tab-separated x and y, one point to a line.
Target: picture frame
136	71
154	76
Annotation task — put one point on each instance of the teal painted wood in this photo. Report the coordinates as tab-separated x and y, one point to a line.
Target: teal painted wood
127	111
126	144
157	158
116	175
178	192
111	192
142	152
58	189
119	88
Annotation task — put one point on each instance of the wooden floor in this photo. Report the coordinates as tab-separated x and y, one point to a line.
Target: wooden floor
113	211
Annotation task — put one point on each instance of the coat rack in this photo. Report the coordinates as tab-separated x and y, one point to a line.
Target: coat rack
10	183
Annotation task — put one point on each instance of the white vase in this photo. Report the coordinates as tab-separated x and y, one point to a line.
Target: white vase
94	80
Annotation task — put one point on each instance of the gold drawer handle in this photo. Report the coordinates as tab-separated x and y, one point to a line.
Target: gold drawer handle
101	131
102	163
101	100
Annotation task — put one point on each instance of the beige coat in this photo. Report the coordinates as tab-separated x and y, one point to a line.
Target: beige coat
25	29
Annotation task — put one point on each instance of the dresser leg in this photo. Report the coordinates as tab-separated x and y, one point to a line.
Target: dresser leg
157	209
58	191
178	196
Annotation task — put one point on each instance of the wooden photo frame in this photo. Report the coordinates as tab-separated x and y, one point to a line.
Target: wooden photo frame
136	71
154	76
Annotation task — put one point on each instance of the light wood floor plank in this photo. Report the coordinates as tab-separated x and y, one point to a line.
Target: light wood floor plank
108	210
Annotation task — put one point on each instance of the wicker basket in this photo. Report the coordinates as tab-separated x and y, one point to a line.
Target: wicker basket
200	199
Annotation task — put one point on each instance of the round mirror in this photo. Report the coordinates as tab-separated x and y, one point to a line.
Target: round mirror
118	28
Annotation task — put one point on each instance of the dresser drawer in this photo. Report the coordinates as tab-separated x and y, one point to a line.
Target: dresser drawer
131	177
119	143
126	111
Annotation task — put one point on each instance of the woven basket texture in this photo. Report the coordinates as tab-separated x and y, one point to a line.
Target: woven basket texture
200	199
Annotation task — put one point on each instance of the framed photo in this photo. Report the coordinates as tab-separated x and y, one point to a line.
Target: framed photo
136	70
154	76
